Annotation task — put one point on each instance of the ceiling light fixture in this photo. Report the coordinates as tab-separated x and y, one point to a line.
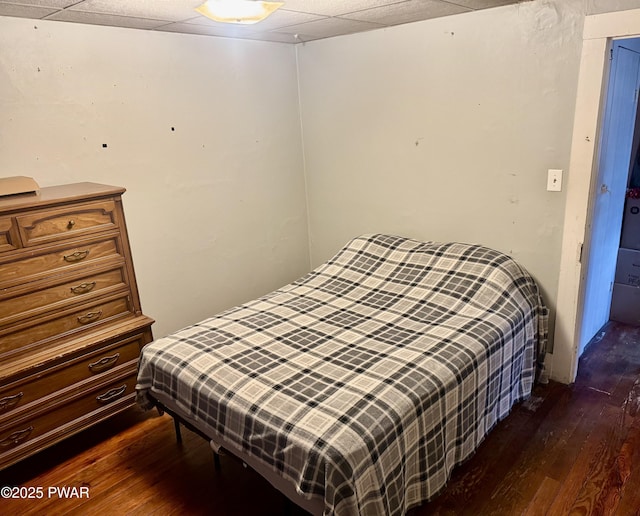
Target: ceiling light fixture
237	11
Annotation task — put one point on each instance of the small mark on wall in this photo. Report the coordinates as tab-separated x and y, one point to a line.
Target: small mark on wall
173	128
104	145
417	142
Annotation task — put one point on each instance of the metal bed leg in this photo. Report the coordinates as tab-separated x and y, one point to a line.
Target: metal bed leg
176	424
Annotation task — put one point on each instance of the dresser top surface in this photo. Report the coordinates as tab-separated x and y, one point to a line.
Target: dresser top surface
49	195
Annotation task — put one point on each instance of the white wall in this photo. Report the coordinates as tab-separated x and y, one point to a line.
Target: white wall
444	130
604	6
203	132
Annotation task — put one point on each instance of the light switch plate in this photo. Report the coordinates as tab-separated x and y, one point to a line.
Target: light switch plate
554	180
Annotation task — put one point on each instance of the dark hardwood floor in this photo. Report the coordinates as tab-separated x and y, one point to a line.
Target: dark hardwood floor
567	450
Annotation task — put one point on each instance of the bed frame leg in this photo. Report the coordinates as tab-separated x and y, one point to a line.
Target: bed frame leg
176	424
216	456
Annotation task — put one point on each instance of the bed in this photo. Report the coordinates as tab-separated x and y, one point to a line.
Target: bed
356	389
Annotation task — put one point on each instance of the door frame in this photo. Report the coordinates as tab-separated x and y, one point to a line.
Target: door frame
598	33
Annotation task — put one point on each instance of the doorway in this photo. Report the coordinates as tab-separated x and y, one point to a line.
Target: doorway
608	192
598	36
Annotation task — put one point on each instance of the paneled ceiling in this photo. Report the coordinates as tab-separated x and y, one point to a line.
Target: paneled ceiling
296	22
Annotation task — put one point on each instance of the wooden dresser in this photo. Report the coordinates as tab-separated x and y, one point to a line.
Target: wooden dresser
71	325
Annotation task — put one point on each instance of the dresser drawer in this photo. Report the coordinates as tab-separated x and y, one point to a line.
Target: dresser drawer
43	226
65	290
8	235
45	263
37	332
97	363
59	414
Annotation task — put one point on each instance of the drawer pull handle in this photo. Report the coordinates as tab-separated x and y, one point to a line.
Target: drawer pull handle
16	437
8	402
76	257
104	363
89	317
71	224
83	288
111	395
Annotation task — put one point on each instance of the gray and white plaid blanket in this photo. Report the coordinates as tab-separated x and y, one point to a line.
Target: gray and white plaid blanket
366	381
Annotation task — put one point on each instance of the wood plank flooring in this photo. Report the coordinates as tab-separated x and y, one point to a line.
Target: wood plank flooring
567	450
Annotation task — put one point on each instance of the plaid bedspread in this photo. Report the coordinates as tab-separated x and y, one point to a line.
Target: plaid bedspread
366	381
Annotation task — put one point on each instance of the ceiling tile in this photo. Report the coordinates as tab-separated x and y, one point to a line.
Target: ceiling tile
106	19
482	4
406	12
24	11
220	29
335	7
280	18
228	31
328	27
170	10
58	4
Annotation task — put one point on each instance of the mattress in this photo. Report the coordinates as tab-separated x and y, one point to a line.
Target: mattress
362	384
